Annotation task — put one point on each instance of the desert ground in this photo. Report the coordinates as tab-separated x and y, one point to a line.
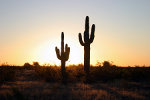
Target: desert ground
27	86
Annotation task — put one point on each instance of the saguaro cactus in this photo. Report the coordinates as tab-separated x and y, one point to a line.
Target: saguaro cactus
87	41
63	55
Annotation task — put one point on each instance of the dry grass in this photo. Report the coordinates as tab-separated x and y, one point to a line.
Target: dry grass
7	73
76	73
36	90
44	83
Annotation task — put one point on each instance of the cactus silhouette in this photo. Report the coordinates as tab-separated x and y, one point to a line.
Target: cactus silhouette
87	41
63	55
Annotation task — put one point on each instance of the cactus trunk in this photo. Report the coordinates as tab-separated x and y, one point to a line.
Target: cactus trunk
87	58
63	69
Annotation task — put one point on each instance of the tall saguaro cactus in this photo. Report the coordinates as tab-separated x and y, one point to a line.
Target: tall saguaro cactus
63	55
87	41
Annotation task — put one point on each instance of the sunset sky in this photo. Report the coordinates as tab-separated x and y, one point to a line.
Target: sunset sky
30	30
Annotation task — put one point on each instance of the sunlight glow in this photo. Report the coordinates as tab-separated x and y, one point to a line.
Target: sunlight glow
45	53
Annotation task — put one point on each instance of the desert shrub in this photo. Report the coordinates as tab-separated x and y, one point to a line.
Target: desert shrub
106	64
50	74
7	73
104	73
36	64
140	74
75	73
127	73
27	66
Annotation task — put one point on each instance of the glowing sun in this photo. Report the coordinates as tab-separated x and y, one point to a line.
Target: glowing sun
45	53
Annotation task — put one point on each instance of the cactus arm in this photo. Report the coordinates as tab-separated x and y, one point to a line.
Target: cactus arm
66	48
92	34
58	53
80	40
67	51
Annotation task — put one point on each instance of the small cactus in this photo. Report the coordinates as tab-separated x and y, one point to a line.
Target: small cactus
87	41
63	55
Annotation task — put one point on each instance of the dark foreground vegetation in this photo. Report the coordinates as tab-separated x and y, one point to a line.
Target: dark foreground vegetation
107	81
97	74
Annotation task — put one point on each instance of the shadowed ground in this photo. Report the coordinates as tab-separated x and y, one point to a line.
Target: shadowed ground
27	87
